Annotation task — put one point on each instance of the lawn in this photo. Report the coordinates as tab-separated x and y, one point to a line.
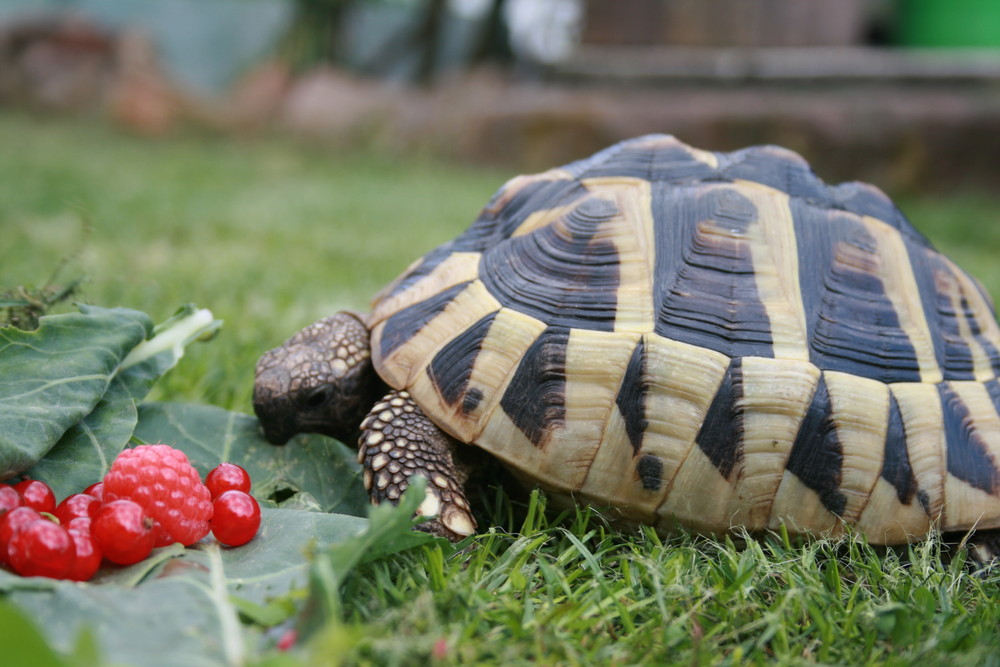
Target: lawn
272	234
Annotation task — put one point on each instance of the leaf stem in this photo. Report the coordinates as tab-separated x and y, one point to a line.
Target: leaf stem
232	636
180	330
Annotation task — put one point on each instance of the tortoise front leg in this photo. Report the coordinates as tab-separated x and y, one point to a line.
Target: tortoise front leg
398	441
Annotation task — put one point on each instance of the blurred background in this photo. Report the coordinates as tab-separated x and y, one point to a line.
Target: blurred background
905	93
278	160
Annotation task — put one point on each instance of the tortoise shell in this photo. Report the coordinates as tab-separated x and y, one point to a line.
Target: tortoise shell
711	340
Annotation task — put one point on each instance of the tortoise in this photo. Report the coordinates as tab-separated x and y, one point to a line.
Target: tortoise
687	338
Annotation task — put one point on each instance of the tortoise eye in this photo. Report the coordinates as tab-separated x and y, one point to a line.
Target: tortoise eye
317	398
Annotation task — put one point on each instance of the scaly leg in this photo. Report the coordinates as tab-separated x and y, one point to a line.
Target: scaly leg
398	441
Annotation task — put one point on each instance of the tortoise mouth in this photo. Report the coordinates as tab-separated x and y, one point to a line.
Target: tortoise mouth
279	423
277	436
271	408
280	434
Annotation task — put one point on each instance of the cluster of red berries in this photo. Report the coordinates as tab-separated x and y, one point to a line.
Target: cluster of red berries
151	497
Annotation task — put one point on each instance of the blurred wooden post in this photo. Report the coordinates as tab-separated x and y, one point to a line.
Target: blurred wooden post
725	23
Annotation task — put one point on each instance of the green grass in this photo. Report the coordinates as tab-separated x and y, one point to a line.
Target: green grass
269	236
574	593
272	235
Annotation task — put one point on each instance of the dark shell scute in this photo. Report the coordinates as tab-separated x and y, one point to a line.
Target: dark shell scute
968	456
496	223
949	320
535	399
451	368
649	468
721	434
896	468
817	455
864	199
853	325
562	273
652	159
706	294
631	397
408	322
776	168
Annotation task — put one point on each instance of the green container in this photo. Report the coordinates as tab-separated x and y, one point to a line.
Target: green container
949	23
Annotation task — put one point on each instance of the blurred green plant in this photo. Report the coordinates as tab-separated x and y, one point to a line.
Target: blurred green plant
417	31
311	40
22	306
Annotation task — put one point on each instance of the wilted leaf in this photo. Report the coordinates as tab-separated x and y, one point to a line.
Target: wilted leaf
86	450
152	358
310	471
53	377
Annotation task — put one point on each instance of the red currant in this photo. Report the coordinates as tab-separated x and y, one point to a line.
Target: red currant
123	531
11	523
37	495
43	548
76	505
9	498
88	554
96	489
226	476
161	479
287	640
235	518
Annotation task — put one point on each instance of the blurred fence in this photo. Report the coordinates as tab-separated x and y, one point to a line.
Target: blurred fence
902	92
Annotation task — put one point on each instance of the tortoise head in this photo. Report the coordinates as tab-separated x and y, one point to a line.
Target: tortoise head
320	381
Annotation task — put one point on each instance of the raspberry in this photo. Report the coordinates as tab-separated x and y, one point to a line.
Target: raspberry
88	554
163	538
11	524
236	518
226	476
76	505
37	495
42	548
160	479
123	531
9	499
